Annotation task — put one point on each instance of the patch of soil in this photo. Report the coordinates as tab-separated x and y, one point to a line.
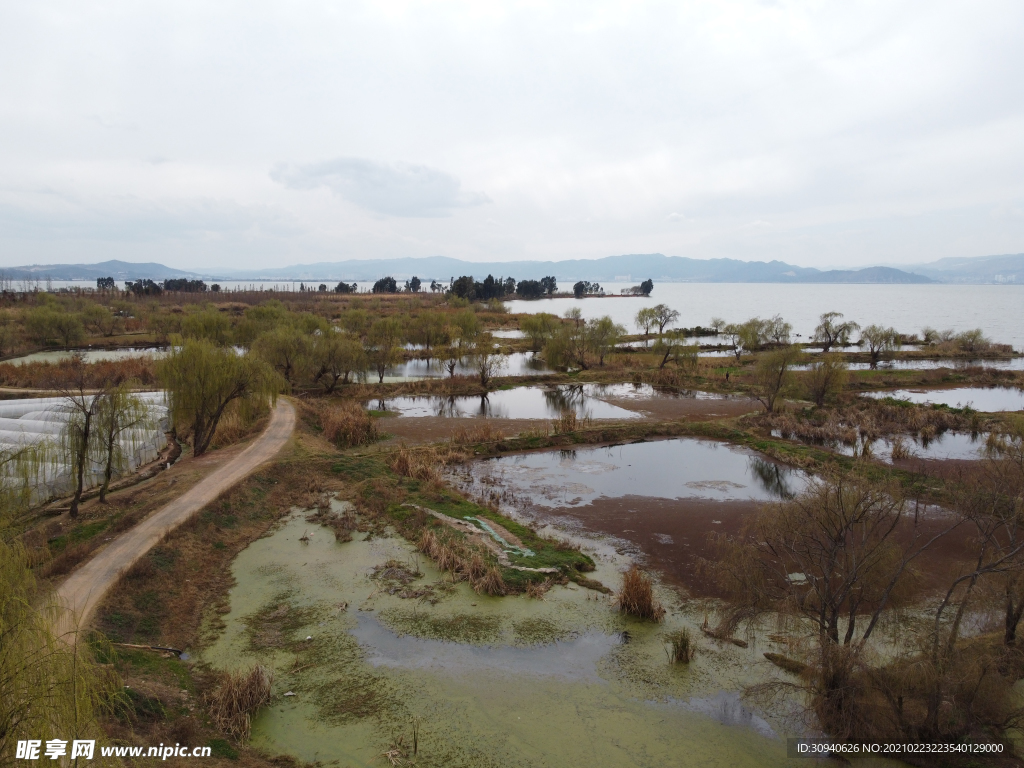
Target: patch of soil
673	534
428	429
665	408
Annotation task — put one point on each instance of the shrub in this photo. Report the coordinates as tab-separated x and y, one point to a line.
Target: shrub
345	424
681	649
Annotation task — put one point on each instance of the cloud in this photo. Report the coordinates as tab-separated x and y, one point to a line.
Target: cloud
53	215
398	189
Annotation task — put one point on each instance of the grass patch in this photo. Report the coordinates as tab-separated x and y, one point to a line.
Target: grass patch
458	628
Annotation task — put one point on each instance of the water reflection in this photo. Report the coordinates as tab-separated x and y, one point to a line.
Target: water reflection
667	469
514	364
989	399
518	403
773	477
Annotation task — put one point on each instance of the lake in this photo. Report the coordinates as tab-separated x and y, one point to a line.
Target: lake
993	308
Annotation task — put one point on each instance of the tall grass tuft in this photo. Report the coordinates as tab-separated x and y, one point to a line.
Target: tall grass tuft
238	698
681	648
637	596
346	424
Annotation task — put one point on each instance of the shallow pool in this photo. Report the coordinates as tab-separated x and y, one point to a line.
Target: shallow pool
517	403
988	399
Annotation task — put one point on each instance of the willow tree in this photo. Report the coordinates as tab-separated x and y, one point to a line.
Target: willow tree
383	345
202	379
119	419
50	687
77	441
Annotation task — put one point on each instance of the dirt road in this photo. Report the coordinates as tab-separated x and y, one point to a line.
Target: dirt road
85	587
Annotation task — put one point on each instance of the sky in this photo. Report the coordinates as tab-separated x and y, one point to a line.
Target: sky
256	134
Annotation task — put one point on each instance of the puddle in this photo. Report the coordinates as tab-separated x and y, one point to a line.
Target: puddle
988	399
91	355
518	403
684	468
548	684
508	333
727	708
629	391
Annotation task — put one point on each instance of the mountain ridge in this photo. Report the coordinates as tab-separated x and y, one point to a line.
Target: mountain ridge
623	268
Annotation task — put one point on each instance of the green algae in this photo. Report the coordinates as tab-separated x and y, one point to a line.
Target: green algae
353	697
456	628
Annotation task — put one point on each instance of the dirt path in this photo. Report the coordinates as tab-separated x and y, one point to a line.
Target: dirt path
85	587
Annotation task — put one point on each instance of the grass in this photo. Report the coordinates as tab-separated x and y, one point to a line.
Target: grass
680	647
636	596
238	697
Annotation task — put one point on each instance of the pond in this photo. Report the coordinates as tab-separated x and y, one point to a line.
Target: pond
517	403
987	399
514	364
90	355
659	501
510	682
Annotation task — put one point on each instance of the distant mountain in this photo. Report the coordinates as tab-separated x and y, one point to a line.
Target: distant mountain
977	269
119	270
630	268
634	267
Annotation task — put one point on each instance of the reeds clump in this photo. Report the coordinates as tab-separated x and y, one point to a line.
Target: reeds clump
901	449
681	648
484	433
565	423
345	424
238	698
636	597
490	583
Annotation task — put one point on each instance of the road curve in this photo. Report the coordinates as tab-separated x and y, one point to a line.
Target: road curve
83	590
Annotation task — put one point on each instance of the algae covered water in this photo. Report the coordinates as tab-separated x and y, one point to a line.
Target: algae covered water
359	664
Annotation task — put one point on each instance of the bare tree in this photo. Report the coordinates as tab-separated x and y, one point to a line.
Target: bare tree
663	316
772	376
826	378
879	341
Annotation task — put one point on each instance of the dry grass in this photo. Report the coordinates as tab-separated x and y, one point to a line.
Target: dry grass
344	423
463	563
238	697
569	422
425	463
484	433
636	597
42	375
67	560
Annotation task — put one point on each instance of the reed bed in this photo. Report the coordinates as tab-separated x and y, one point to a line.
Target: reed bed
238	697
344	423
463	563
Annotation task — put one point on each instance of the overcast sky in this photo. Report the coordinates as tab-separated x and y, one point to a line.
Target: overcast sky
253	134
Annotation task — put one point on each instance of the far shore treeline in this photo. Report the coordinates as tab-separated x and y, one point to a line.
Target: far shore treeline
464	287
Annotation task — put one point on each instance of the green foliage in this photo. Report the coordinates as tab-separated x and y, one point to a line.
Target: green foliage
879	341
773	377
826	378
539	328
207	324
202	379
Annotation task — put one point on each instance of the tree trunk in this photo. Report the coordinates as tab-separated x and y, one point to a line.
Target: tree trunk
82	459
108	471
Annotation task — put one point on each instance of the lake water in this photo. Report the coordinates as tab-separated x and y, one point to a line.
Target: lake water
996	309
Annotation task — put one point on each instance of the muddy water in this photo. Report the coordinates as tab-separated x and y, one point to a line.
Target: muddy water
658	501
489	681
989	399
518	403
